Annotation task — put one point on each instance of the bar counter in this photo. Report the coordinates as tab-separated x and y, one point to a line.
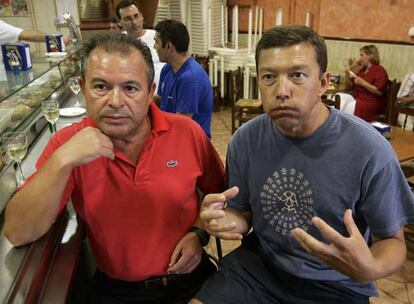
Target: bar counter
43	271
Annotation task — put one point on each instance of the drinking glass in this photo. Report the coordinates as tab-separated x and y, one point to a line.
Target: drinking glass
74	84
15	144
50	109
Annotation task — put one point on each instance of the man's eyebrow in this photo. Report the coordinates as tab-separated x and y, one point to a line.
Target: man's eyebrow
132	82
291	68
97	79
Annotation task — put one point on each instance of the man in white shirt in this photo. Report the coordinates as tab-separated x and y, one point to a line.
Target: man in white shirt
406	98
13	34
132	22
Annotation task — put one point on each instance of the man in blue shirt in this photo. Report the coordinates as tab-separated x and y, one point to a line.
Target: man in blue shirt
184	86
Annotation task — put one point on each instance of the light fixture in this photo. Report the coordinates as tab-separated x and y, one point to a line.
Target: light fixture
411	31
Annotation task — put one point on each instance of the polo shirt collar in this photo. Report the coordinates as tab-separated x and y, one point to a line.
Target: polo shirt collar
159	121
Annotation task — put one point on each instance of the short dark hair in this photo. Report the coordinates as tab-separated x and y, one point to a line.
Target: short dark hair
175	32
125	3
289	35
121	43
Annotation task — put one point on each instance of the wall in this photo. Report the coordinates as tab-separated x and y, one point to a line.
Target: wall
383	19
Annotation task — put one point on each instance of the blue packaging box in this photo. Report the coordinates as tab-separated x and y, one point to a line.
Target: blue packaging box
16	56
54	43
383	128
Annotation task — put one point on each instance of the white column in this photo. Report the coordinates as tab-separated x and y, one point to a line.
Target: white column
260	22
279	17
256	14
222	76
249	35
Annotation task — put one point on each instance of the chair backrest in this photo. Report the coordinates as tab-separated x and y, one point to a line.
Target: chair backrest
335	102
391	106
235	85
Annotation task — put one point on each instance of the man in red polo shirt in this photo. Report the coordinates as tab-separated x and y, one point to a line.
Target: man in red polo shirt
133	173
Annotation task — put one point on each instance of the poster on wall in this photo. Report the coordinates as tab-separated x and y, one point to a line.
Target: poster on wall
20	7
6	8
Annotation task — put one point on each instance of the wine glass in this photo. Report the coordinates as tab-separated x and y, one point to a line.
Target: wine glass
50	109
74	84
15	144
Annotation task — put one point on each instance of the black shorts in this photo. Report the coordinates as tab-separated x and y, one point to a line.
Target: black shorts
246	279
178	290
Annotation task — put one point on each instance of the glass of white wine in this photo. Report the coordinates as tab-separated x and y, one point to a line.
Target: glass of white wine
50	109
74	84
15	144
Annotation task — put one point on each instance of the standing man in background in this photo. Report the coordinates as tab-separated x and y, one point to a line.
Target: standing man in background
184	85
132	21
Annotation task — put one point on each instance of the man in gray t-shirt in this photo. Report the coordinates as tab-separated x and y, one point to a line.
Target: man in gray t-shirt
322	190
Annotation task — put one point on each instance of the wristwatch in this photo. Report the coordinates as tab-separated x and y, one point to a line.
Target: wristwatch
202	235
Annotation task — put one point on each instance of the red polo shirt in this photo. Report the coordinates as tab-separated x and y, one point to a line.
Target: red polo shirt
136	213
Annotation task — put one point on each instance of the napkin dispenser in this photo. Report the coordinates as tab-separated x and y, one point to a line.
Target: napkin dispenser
16	56
383	128
54	43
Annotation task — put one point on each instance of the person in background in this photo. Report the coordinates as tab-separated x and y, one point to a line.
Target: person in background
129	168
322	190
184	85
13	34
132	21
406	96
369	83
114	25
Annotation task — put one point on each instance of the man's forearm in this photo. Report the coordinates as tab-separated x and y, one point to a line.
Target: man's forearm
30	35
406	100
389	254
33	209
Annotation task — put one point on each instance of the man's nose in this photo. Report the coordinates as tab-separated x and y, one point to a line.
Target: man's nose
282	87
115	98
135	21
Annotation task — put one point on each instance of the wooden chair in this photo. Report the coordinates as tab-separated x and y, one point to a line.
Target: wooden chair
335	102
391	105
204	62
242	110
407	112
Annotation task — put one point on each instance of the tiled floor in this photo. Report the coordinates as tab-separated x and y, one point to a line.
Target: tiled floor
395	289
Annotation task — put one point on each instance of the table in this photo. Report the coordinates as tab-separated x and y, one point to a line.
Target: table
339	88
402	141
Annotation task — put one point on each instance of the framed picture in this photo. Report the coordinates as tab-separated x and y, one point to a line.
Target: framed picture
6	8
20	7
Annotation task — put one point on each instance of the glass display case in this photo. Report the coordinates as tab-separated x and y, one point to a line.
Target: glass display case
21	94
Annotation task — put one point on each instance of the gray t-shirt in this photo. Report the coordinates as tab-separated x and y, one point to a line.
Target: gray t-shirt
285	181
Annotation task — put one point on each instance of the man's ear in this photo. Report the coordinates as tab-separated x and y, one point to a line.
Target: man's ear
170	46
324	83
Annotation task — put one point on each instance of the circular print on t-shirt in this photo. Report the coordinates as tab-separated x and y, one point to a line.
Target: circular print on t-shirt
287	200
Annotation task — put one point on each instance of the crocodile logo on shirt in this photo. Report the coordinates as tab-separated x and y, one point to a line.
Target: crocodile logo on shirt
172	163
287	200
